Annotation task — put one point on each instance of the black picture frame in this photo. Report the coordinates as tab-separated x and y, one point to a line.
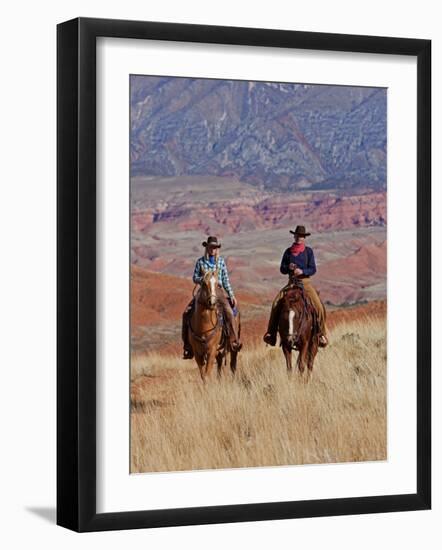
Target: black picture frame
77	287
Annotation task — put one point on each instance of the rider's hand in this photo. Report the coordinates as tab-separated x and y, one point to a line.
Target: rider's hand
292	266
234	301
298	271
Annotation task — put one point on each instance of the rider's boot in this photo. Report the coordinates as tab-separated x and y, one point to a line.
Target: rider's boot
323	341
188	353
235	343
231	322
270	338
187	348
272	328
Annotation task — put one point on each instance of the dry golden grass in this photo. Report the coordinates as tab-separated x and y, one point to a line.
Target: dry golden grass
263	417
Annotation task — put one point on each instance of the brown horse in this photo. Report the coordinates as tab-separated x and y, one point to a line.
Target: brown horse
298	328
206	329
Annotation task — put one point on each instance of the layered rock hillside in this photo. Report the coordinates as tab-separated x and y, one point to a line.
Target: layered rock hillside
248	211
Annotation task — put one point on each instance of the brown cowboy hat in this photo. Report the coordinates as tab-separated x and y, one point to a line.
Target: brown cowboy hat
212	241
300	230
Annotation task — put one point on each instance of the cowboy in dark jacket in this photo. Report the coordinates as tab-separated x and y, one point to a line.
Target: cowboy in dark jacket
298	261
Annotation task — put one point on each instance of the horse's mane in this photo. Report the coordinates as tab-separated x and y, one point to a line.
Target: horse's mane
294	296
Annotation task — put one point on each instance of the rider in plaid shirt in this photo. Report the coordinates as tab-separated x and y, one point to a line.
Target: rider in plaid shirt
205	263
212	261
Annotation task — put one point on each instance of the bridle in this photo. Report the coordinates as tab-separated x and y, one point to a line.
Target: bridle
296	284
209	278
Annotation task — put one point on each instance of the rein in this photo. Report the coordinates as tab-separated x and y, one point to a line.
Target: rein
203	339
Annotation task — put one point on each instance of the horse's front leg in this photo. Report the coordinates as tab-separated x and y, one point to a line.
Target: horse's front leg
219	364
302	356
233	361
200	361
311	355
287	350
210	361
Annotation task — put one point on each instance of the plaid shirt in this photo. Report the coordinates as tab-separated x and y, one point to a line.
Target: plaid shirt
223	276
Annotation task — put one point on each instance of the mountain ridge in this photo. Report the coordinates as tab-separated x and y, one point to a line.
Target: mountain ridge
275	136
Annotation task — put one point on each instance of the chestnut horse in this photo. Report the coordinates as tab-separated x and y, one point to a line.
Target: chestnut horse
298	328
206	329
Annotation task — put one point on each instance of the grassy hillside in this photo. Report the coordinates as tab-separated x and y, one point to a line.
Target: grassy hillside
263	417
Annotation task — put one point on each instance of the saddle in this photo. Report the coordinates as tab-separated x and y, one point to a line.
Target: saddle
295	282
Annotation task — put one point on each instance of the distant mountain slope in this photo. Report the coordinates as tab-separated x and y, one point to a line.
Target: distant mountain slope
276	136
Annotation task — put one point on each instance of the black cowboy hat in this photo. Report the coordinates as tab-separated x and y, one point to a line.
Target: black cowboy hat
300	230
212	241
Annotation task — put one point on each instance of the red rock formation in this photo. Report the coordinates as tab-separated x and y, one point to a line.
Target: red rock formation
352	278
161	298
323	212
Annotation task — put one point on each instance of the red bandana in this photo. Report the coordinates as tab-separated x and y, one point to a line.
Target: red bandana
297	248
